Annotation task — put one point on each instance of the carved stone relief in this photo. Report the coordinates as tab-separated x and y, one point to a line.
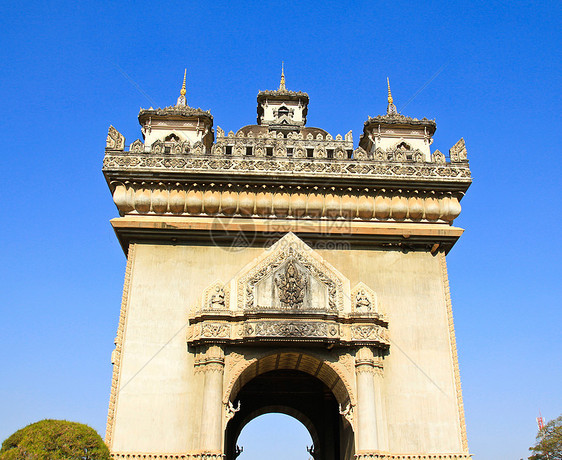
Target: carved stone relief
291	286
457	152
115	140
263	278
438	157
216	297
364	299
137	146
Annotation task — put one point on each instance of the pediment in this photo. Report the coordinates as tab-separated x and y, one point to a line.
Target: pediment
292	276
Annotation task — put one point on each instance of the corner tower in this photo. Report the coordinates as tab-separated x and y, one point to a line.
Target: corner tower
280	269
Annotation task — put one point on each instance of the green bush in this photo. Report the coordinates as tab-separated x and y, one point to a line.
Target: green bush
54	440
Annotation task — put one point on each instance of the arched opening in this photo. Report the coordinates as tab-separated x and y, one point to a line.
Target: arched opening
404	146
172	138
298	385
282	111
274	436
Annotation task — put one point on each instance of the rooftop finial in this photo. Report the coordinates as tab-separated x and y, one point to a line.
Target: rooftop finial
391	108
282	84
182	92
181	99
389	93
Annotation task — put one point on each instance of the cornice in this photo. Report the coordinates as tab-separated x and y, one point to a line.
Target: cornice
181	111
237	233
401	120
282	94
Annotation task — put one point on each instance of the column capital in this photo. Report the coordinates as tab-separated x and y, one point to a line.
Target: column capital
210	359
368	360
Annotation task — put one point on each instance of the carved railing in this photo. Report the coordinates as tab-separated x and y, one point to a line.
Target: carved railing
279	145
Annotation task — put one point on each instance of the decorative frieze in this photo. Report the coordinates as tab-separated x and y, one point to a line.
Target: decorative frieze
358	167
412	456
370	332
171	456
289	329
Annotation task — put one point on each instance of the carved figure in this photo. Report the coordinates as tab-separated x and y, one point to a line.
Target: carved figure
217	299
312	451
347	412
231	410
291	287
362	301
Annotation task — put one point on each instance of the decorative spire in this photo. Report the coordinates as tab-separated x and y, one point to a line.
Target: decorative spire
282	83
391	108
182	100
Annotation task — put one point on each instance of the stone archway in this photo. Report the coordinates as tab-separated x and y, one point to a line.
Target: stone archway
302	386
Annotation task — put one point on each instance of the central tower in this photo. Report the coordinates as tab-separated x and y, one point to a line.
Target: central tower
280	269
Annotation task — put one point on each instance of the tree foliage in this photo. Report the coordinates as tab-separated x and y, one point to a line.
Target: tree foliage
549	442
54	440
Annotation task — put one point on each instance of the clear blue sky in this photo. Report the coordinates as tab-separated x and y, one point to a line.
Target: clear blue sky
499	88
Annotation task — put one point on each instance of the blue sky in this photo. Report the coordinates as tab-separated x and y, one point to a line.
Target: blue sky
498	86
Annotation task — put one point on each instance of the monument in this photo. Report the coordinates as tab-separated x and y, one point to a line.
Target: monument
280	269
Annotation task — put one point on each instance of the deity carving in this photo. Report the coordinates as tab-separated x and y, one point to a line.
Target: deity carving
362	301
291	286
218	298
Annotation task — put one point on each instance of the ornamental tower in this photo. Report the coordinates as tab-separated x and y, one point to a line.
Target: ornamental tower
278	269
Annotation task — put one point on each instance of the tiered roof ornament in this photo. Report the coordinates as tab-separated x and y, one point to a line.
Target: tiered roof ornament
396	135
177	128
282	108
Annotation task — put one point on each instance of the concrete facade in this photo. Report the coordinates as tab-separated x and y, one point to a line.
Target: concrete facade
243	278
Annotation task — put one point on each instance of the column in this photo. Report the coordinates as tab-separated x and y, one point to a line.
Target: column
367	439
211	434
379	400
